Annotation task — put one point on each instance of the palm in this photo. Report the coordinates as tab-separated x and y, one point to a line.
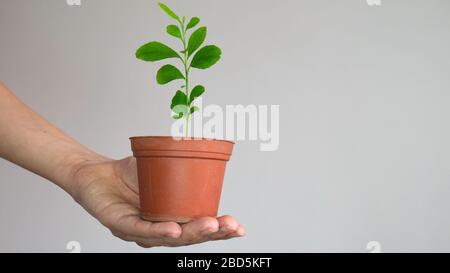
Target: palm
109	191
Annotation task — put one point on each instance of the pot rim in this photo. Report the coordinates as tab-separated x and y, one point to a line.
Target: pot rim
185	138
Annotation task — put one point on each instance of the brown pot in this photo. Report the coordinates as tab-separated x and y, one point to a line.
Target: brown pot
180	179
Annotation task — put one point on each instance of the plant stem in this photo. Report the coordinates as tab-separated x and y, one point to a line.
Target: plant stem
186	74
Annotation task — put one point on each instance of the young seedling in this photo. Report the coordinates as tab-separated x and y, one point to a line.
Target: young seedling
191	56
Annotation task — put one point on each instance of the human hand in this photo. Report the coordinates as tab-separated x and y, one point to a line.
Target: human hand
108	190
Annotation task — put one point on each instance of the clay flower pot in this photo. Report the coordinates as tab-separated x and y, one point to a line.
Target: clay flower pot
180	180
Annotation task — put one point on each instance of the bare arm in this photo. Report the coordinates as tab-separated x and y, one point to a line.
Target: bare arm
30	141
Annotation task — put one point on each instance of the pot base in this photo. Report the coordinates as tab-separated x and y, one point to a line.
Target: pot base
179	220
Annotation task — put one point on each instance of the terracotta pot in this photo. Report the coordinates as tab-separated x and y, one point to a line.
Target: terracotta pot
180	180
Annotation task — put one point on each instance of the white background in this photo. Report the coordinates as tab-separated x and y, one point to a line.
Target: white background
364	130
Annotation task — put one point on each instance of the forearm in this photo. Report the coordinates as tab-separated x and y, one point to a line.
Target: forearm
31	142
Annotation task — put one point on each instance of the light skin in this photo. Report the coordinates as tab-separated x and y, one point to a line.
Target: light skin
104	187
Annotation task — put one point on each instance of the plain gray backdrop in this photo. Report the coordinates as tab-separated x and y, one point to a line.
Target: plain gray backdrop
364	117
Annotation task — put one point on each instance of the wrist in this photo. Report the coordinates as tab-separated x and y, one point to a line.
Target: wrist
76	173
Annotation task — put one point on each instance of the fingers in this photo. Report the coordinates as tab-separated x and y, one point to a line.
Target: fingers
150	234
199	231
194	232
239	233
228	228
134	226
146	234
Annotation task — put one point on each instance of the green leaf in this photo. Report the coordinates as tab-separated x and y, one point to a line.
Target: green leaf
167	74
193	22
169	12
179	103
174	31
206	57
196	40
196	92
155	51
194	109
